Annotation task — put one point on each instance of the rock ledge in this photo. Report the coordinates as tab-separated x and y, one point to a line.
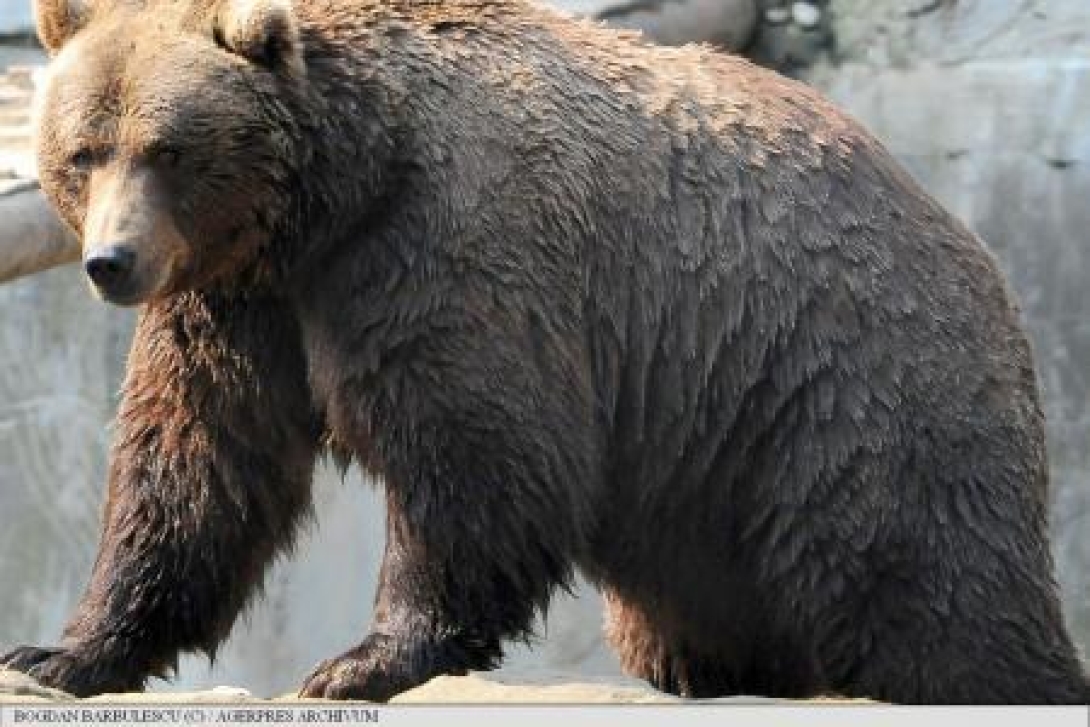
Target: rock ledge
473	689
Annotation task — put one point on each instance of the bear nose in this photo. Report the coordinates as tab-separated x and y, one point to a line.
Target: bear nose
110	266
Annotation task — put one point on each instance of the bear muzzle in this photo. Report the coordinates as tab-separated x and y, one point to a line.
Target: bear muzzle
131	247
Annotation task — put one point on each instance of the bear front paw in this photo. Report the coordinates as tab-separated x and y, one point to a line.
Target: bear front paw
371	671
70	670
380	668
25	658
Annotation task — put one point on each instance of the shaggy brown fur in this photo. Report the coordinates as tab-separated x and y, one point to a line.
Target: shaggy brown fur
579	302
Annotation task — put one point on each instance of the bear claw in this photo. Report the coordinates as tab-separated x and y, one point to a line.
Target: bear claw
70	670
347	677
26	658
372	671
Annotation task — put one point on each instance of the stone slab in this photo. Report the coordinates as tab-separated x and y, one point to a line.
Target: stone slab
476	688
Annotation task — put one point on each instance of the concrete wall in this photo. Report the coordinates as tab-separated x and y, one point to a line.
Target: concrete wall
16	16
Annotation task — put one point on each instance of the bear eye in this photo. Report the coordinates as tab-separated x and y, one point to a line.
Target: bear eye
165	155
83	159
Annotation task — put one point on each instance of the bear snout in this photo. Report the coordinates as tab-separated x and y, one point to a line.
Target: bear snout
131	245
122	274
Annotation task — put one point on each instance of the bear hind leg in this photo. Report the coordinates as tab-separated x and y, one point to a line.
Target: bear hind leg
647	652
987	646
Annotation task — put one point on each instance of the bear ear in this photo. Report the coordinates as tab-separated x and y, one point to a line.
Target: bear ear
58	20
262	31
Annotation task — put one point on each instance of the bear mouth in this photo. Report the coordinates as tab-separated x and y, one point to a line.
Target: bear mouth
123	295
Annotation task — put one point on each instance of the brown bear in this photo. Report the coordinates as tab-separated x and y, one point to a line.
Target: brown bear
577	302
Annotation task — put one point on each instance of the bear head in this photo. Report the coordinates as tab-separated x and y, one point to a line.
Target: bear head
165	138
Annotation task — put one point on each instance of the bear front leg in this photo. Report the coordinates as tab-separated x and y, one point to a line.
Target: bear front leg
417	630
490	472
209	474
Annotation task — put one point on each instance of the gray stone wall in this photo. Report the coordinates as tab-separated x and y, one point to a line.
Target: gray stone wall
59	364
15	16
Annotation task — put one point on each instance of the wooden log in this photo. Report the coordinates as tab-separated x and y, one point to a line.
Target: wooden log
32	237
